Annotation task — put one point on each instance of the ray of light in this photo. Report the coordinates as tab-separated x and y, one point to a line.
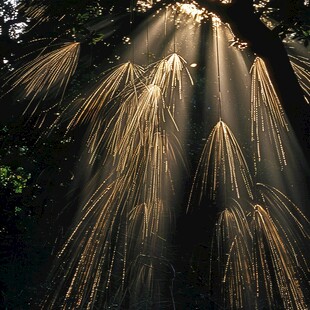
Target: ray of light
267	114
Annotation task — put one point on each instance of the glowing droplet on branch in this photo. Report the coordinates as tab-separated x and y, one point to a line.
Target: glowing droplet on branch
273	246
221	165
302	72
231	260
168	74
266	112
46	73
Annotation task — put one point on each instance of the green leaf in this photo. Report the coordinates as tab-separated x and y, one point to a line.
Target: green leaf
17	210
